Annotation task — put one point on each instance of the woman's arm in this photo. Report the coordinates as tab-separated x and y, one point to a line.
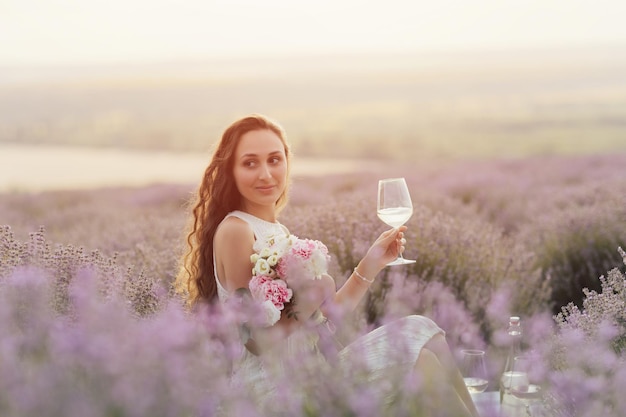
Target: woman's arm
233	243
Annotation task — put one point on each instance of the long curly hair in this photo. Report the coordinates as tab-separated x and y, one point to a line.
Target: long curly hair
217	196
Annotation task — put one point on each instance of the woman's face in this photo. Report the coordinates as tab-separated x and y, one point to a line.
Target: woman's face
260	169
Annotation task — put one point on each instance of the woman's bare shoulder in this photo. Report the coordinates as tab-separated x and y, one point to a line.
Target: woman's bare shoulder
234	229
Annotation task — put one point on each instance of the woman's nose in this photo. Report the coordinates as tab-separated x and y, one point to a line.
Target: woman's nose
265	172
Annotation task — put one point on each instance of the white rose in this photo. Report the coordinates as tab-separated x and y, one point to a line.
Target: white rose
265	252
261	267
272	314
319	264
282	244
254	257
272	260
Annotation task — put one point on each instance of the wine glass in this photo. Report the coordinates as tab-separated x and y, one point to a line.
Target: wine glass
474	370
394	207
525	388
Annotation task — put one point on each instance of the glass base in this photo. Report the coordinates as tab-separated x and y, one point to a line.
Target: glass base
401	261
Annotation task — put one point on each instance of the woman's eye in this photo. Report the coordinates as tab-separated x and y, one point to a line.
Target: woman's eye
275	160
249	164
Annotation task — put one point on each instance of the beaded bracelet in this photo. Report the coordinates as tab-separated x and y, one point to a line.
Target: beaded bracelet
362	277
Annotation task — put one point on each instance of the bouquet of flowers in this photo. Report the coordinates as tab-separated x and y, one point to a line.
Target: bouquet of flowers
279	259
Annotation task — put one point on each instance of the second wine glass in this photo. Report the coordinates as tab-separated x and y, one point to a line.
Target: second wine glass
474	370
394	207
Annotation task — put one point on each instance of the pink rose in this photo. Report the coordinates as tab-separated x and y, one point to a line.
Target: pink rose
265	288
305	259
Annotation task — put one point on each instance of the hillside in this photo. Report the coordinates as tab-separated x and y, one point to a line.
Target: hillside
424	106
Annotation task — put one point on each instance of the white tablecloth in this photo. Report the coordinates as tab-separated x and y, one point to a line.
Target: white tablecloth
488	405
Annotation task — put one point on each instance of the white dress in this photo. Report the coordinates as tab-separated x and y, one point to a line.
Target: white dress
390	347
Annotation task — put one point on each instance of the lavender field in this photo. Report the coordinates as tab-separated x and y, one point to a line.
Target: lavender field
91	325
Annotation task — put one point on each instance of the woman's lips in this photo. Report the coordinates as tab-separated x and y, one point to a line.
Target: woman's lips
265	188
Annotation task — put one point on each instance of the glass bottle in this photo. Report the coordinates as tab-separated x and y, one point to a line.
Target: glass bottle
514	332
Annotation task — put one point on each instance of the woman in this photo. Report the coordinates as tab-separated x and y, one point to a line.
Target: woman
241	195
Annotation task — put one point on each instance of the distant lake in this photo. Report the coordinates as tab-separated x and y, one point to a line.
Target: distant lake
44	167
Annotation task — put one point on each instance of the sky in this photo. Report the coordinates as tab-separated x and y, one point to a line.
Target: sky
62	32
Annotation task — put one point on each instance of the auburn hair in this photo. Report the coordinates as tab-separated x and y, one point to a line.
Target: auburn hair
217	195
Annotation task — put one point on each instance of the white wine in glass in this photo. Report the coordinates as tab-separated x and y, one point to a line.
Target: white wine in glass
474	370
394	207
524	388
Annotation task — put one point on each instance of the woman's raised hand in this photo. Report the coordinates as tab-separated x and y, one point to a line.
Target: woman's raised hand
384	250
